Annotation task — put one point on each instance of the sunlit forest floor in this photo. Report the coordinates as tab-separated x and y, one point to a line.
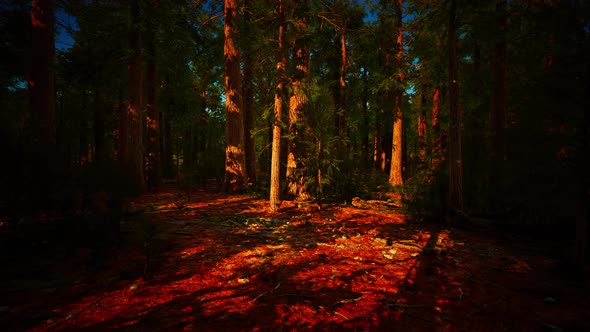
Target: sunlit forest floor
222	262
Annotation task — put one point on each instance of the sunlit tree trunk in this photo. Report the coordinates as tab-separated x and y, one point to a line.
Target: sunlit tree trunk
498	112
40	84
275	167
235	160
297	106
248	96
455	157
153	118
341	106
396	170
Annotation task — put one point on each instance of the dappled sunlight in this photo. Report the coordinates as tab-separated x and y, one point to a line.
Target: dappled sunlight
223	262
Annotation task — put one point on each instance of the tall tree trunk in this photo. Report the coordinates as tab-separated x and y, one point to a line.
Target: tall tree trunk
498	112
166	137
275	167
248	96
41	87
235	160
455	161
396	170
153	118
166	145
341	106
376	148
436	143
422	126
42	104
201	144
297	106
131	141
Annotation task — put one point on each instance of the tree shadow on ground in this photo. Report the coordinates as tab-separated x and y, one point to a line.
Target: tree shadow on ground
222	263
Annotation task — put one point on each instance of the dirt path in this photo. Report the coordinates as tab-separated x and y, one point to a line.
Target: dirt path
222	263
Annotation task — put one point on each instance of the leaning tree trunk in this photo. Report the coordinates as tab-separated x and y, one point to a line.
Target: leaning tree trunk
235	161
395	173
455	161
275	167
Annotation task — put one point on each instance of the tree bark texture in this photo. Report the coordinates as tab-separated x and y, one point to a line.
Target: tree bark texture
297	106
396	170
341	131
235	160
132	131
455	156
275	167
248	96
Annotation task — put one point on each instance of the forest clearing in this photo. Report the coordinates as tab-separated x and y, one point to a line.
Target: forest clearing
222	262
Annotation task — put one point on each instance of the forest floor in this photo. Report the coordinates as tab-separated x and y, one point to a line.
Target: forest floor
221	262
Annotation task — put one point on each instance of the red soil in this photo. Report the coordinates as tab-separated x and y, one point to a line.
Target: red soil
223	263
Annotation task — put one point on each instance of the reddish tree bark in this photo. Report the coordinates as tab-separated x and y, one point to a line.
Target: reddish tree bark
275	167
248	97
396	170
235	161
341	106
131	141
297	105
